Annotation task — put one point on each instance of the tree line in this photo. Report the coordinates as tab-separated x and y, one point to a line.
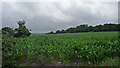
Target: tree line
21	31
86	28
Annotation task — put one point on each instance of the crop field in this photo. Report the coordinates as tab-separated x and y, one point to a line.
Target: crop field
89	47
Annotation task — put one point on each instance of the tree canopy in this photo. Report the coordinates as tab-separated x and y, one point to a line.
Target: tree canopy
21	31
86	28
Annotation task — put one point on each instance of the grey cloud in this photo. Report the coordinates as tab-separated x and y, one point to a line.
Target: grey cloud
44	17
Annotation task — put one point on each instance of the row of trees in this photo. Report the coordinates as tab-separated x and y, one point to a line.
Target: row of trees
86	28
21	31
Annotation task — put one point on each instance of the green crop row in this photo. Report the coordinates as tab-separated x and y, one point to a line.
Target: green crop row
88	47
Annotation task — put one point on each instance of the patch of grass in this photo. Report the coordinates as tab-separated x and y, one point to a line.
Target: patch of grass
110	61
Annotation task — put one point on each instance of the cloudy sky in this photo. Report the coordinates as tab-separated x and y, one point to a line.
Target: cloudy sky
43	17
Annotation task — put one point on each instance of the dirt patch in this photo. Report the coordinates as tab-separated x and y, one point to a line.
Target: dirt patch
46	62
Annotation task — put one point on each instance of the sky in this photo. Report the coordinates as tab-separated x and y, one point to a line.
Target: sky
42	17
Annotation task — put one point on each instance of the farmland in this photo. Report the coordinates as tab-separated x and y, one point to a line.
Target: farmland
90	48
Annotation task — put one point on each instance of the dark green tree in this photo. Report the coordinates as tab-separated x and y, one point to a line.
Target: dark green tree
71	30
82	28
90	28
21	31
58	31
63	31
86	28
8	31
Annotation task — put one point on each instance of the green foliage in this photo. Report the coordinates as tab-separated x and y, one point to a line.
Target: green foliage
40	58
22	31
11	56
8	59
110	61
86	28
7	31
90	47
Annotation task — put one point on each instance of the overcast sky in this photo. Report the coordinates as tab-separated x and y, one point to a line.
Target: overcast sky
43	17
